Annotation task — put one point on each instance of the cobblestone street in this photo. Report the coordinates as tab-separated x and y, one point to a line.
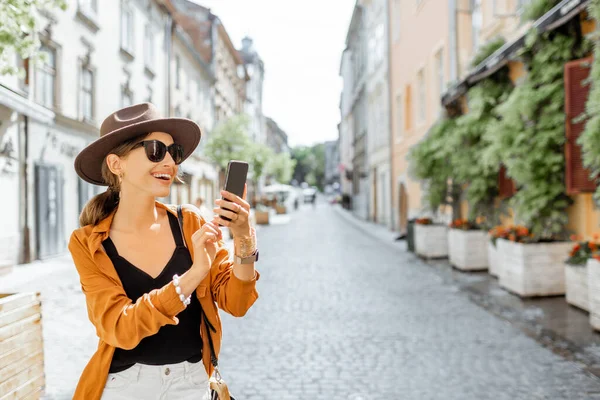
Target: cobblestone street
341	316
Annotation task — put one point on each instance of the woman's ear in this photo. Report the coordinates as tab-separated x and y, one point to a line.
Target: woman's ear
115	164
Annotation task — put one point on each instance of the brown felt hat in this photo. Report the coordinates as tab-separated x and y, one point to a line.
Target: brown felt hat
126	124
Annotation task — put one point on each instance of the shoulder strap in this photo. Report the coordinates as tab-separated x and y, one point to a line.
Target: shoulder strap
180	219
209	327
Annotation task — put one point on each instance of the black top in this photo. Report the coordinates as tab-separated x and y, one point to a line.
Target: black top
172	343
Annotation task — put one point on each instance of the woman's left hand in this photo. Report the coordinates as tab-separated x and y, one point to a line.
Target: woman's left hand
239	214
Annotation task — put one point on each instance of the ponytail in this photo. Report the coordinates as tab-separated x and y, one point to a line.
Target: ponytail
99	207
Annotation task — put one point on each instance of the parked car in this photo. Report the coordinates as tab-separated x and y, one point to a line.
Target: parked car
309	194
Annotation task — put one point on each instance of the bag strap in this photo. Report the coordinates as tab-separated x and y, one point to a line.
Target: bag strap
209	327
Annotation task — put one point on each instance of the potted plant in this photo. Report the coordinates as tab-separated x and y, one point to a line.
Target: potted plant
531	266
261	214
494	261
431	239
576	273
593	270
467	245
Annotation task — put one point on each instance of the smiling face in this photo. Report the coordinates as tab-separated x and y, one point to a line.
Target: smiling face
140	175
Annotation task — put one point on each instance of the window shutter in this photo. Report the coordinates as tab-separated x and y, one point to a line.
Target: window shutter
576	93
506	186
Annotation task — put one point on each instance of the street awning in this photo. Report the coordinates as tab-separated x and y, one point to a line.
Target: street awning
562	13
199	169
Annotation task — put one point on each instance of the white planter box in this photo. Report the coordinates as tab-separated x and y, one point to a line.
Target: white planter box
494	263
533	269
467	250
431	241
576	281
593	269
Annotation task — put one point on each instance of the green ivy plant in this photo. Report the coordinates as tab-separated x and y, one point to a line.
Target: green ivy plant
486	50
590	138
469	141
536	8
529	136
429	162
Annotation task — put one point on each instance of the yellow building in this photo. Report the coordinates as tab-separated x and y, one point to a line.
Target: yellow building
420	47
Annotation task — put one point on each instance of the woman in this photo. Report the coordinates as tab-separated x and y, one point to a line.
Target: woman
152	287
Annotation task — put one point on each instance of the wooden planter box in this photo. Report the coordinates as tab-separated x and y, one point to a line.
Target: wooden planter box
280	209
494	261
21	347
262	217
576	281
467	250
431	241
593	270
533	269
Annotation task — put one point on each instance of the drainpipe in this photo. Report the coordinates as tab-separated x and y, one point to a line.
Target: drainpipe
391	104
25	253
169	32
453	38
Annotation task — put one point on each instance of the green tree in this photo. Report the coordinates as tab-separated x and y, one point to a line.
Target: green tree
229	140
18	30
260	157
310	164
282	167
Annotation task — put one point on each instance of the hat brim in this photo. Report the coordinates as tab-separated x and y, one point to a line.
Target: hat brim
88	163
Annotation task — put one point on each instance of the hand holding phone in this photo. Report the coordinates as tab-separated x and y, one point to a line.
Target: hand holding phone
235	180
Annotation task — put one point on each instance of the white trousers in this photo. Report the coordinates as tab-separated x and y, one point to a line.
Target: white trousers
161	382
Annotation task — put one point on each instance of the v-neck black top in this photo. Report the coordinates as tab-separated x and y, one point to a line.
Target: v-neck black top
172	343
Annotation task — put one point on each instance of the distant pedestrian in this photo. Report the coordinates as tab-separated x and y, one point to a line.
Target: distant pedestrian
152	286
204	211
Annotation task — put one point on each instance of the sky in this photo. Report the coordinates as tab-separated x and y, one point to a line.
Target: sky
301	44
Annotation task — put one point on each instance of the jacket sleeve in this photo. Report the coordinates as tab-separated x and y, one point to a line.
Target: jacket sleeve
232	294
118	321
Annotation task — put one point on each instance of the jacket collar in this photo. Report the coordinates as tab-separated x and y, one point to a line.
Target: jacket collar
101	230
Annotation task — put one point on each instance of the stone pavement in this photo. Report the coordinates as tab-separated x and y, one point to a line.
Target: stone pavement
341	315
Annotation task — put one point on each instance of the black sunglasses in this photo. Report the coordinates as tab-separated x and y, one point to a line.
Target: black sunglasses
157	150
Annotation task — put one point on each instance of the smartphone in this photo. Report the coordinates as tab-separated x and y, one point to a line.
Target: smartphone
235	180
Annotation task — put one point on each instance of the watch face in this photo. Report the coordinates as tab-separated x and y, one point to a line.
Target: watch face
256	255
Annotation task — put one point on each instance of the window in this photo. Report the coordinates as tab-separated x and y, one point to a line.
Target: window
439	70
127	28
422	96
379	44
87	93
397	13
126	96
189	87
178	112
399	117
476	21
45	92
177	72
408	108
521	4
149	47
23	64
89	6
150	94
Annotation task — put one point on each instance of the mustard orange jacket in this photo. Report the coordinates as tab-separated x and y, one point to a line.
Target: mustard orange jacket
122	323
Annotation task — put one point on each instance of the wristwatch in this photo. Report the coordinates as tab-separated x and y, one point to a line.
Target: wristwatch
246	260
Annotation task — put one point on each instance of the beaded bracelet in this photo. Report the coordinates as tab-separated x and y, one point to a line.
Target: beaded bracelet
185	301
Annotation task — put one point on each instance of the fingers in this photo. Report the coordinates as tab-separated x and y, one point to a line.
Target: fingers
225	213
236	199
209	232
